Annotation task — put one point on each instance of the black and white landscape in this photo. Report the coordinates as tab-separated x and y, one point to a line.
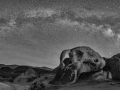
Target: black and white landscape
33	34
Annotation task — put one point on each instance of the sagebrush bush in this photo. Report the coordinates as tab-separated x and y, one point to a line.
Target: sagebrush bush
37	85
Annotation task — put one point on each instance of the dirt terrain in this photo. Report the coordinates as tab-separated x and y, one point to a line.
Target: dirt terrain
80	85
9	86
88	86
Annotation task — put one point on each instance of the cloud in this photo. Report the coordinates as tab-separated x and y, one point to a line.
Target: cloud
118	36
109	33
93	28
67	22
39	13
117	41
88	27
7	27
4	30
99	14
85	20
12	22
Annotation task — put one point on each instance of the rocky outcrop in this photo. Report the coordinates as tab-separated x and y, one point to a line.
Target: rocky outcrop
31	72
21	73
92	61
28	76
113	66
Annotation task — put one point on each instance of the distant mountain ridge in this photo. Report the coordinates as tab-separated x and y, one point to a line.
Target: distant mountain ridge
11	66
15	66
11	72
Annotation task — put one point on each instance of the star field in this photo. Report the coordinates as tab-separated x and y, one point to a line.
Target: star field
34	32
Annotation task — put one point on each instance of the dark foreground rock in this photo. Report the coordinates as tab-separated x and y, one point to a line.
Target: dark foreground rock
113	66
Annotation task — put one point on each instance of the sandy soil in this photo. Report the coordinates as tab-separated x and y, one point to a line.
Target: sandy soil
102	86
84	85
9	86
88	86
78	86
20	87
4	86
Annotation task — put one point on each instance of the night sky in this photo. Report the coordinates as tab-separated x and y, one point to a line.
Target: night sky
34	32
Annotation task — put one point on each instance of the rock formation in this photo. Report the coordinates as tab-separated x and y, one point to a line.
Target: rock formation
91	61
28	76
113	67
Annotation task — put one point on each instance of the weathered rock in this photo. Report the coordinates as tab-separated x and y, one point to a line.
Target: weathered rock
87	54
30	72
59	73
87	72
67	76
92	61
28	76
98	76
113	66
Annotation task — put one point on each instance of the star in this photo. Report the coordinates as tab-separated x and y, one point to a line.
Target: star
75	29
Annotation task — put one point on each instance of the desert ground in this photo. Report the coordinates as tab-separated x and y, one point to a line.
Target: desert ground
79	86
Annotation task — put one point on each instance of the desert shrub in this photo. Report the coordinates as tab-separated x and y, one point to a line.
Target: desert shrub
37	85
31	79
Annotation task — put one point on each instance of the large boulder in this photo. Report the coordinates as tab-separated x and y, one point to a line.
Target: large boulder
113	66
87	54
92	61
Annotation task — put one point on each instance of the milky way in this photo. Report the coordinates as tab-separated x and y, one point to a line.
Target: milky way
34	32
